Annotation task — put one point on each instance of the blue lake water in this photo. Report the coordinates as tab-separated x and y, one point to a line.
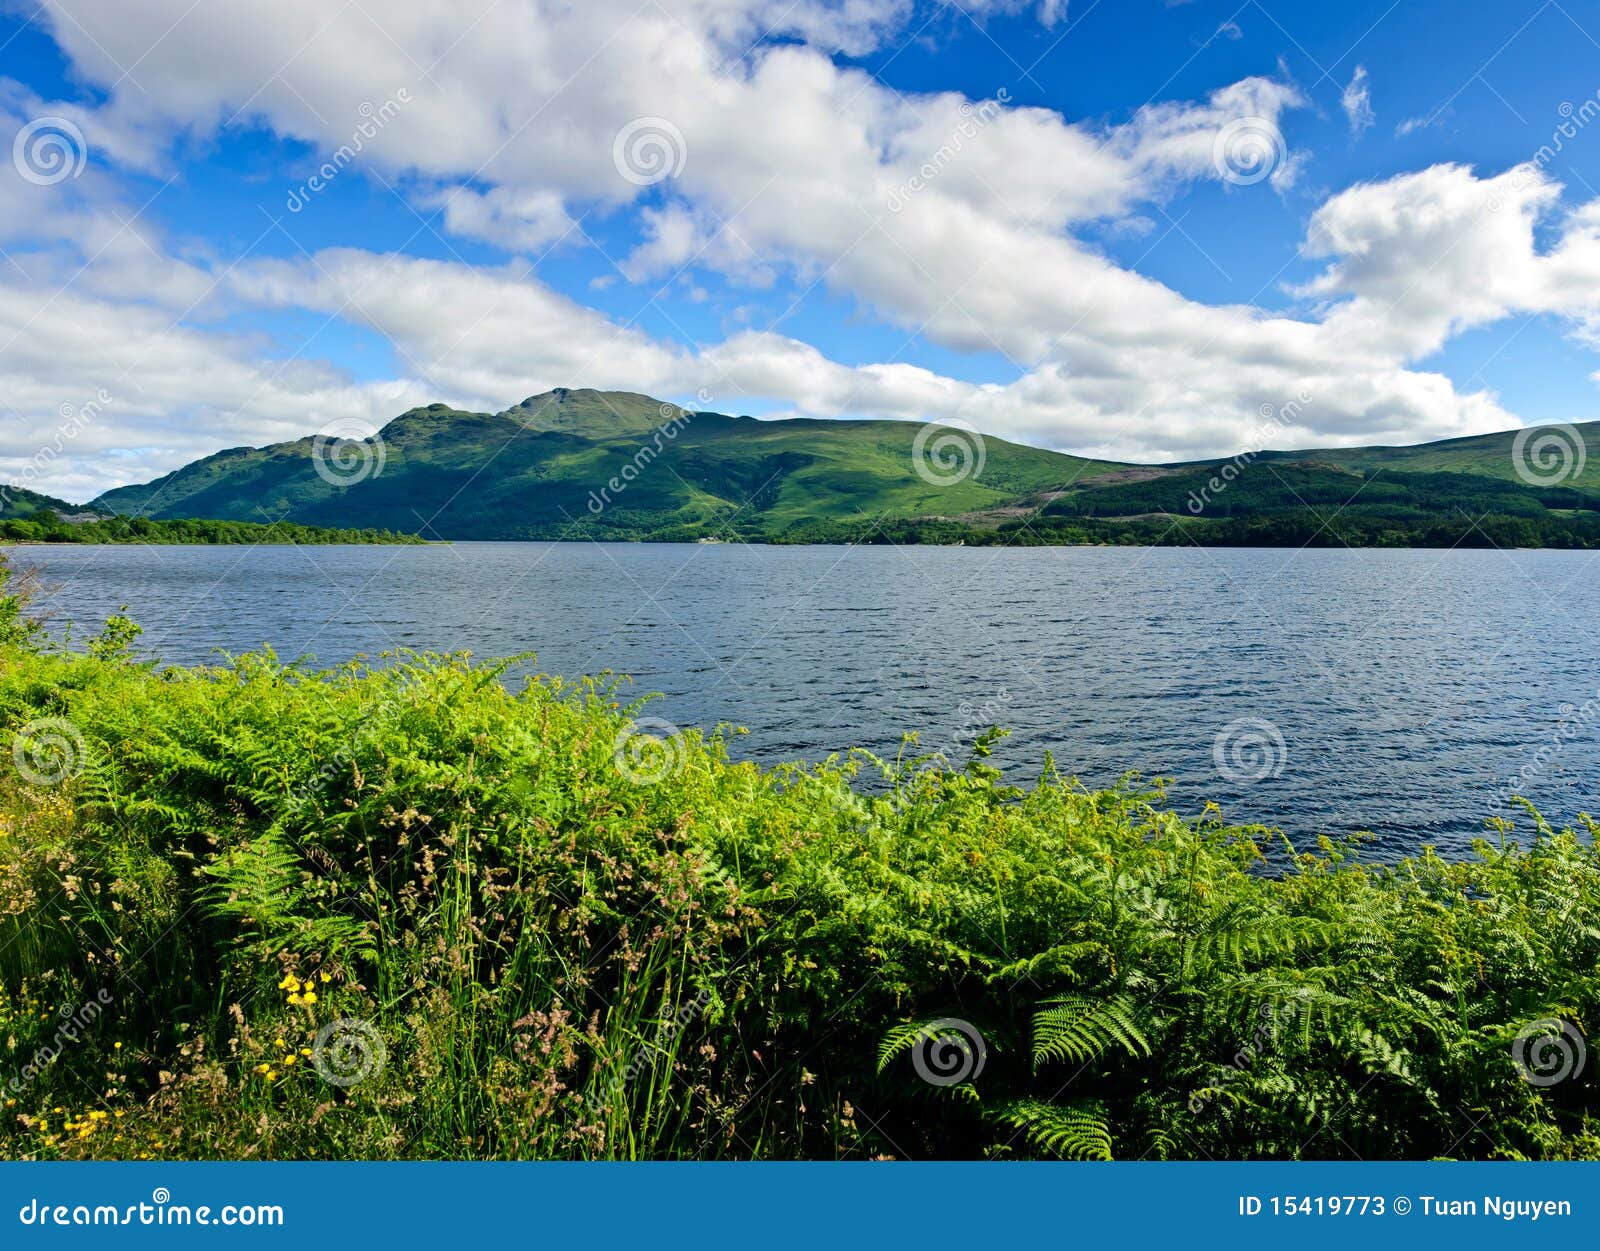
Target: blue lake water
1401	692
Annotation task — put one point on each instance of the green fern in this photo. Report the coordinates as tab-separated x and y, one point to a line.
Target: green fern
262	886
1077	1029
1072	1131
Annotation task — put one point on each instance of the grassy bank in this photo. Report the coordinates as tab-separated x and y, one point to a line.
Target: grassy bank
257	912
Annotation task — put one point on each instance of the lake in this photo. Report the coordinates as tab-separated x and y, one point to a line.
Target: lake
1402	692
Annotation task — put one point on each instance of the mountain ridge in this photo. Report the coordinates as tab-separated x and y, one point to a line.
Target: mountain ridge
585	463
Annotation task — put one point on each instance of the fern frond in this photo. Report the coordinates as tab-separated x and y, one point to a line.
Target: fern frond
1077	1029
1071	1131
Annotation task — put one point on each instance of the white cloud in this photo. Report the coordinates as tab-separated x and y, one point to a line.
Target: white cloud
529	221
1421	257
1411	125
1356	101
956	219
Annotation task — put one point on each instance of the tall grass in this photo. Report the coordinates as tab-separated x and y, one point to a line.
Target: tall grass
421	909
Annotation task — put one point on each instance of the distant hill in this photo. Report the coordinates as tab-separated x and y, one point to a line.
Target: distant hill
571	463
618	465
1490	455
18	501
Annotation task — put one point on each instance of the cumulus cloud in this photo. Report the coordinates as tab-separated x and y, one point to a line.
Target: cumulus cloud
962	220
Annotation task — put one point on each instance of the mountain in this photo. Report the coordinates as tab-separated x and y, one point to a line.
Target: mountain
1490	455
611	464
17	502
601	463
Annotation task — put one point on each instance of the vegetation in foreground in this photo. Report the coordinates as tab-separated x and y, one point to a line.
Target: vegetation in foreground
252	911
47	526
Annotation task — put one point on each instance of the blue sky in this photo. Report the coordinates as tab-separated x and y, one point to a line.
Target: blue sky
1026	217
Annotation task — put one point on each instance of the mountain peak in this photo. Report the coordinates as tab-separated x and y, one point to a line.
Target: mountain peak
590	413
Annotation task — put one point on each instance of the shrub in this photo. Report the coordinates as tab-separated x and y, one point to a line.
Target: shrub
426	907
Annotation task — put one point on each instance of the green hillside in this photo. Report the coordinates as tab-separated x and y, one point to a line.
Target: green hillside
1276	487
617	465
598	464
16	502
1490	455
